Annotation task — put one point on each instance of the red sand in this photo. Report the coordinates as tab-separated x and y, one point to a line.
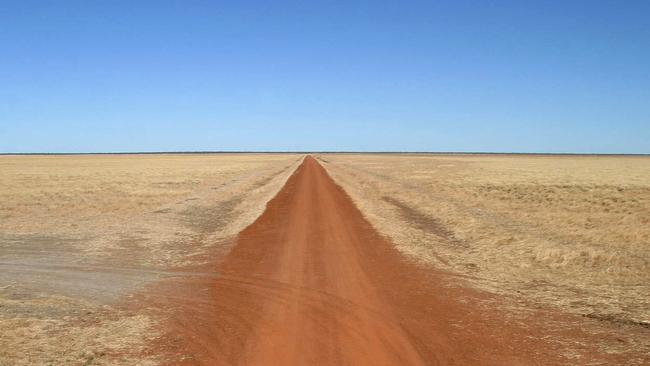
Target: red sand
312	283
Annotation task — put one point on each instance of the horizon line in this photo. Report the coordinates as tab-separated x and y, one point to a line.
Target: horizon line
190	152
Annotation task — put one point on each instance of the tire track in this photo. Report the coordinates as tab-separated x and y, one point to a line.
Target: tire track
310	282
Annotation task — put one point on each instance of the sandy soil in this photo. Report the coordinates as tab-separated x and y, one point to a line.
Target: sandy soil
155	276
79	235
570	232
312	283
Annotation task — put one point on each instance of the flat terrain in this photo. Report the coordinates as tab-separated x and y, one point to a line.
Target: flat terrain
80	234
312	283
408	260
569	232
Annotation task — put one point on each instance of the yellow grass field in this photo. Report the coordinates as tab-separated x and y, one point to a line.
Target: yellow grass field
567	231
80	235
76	232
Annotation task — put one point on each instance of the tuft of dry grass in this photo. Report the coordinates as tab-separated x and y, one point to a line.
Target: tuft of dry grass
80	234
567	231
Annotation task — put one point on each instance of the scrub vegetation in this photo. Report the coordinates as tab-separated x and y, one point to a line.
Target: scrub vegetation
567	231
79	234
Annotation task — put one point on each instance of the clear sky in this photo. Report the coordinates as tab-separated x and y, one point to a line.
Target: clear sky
520	76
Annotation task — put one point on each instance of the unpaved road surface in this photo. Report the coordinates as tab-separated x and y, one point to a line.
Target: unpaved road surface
311	283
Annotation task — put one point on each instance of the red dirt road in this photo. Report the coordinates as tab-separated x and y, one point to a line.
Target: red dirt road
312	283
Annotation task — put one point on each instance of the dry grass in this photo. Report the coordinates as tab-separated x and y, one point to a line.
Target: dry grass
92	198
79	233
573	232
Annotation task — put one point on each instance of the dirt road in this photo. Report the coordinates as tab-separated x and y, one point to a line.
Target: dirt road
311	283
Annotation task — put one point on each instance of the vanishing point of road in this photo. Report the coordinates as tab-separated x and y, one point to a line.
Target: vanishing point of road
310	282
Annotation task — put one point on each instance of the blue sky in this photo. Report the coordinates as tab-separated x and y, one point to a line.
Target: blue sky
521	76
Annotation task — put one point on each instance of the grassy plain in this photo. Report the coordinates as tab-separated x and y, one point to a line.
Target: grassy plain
79	233
567	231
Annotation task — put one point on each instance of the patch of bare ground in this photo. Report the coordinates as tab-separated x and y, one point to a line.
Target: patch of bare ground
565	232
79	235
